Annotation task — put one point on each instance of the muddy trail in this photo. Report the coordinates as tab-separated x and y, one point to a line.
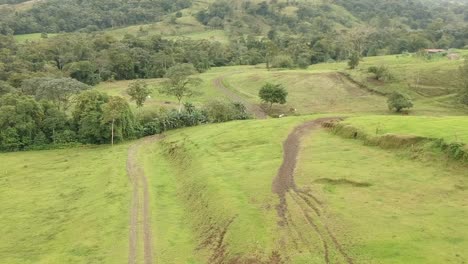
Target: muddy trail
140	213
303	201
254	109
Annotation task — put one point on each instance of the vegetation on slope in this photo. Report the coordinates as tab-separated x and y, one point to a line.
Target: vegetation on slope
64	206
395	208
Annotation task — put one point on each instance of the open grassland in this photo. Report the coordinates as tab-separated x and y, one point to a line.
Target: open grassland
212	199
211	192
451	129
204	93
64	206
31	37
320	89
387	207
309	92
431	83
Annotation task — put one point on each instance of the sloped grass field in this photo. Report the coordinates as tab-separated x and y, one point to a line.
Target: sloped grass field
393	208
309	92
64	206
451	129
431	83
212	193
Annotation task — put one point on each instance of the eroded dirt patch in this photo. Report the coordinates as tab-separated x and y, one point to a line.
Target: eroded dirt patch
309	206
343	182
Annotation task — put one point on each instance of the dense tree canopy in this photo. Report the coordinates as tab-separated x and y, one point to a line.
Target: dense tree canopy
71	15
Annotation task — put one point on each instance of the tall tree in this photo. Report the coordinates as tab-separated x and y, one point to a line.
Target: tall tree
273	94
115	110
138	92
180	82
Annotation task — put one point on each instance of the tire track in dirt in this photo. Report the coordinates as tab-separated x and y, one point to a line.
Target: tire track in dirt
284	185
254	109
140	200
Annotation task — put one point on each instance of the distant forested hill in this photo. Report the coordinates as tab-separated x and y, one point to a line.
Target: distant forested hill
279	33
11	2
71	15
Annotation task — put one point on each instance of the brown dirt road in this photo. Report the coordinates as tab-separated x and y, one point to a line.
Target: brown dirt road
254	109
310	207
140	212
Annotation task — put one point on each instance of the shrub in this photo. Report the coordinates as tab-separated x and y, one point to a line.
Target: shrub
381	73
353	60
282	61
397	101
220	111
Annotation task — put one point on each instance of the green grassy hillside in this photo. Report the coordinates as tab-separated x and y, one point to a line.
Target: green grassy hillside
451	129
391	208
64	206
212	198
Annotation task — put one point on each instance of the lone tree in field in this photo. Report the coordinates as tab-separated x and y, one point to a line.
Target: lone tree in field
138	92
115	110
397	101
273	94
179	82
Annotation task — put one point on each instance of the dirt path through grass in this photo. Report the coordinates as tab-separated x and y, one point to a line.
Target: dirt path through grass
304	200
140	213
254	109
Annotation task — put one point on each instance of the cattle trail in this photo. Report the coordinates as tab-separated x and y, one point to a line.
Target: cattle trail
140	212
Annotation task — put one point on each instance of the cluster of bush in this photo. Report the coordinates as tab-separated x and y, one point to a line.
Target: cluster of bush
31	122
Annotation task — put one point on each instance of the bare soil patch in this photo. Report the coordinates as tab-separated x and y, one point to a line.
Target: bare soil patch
140	220
284	185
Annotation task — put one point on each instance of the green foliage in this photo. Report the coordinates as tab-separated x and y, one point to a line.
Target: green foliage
88	115
354	60
139	92
58	91
20	121
273	94
180	82
5	88
381	73
397	101
282	61
116	112
73	15
85	72
219	111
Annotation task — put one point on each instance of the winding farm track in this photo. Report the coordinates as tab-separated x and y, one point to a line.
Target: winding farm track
140	212
284	186
254	109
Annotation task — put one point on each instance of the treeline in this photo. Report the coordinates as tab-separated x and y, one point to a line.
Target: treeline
53	16
11	2
91	58
37	118
330	30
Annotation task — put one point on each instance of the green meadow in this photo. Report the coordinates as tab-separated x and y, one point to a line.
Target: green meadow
64	206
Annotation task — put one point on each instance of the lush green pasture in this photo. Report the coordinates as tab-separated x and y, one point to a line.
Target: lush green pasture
203	178
204	93
64	206
383	205
309	92
449	128
31	37
432	83
184	27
